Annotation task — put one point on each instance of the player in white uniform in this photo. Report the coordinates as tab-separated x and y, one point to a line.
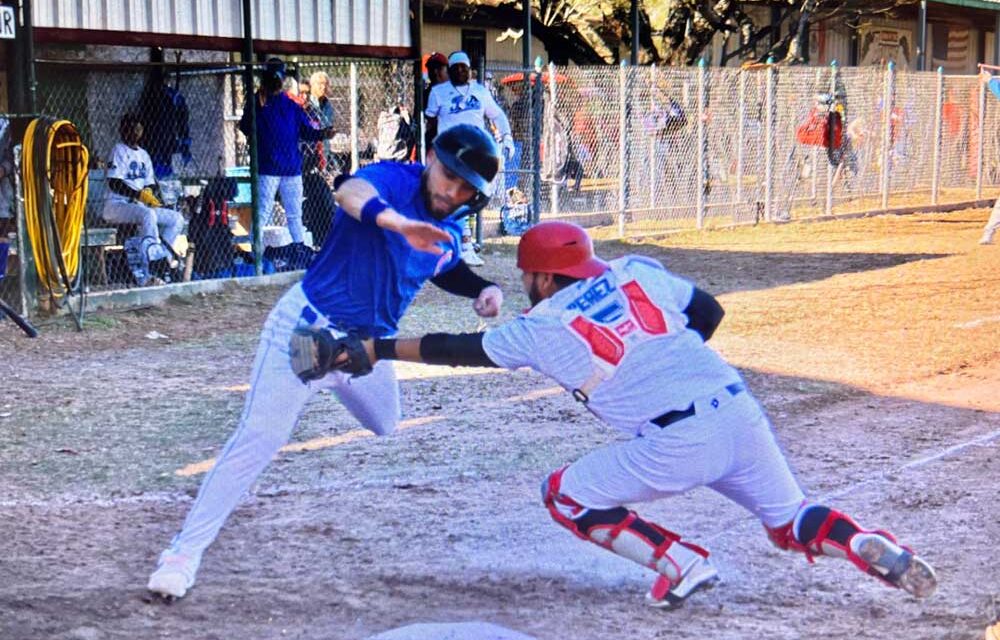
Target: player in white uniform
465	101
627	338
132	199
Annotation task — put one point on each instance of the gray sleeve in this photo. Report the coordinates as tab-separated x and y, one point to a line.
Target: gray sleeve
512	345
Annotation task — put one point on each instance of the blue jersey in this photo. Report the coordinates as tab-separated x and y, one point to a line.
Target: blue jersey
281	123
365	277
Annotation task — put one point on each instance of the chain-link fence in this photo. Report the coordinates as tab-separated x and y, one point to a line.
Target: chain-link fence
643	149
652	148
198	220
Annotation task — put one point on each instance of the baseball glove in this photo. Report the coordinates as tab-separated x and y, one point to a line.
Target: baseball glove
317	352
148	198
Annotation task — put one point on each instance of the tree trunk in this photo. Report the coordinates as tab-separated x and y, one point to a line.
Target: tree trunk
800	42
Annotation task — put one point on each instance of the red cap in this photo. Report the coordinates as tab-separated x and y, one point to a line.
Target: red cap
559	247
436	59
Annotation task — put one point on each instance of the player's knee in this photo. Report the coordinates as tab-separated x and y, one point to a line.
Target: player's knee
562	508
571	514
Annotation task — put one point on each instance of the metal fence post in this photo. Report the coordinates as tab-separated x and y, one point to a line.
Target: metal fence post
651	142
740	138
888	94
26	273
828	208
813	191
554	195
936	163
354	117
769	139
621	149
257	221
981	129
537	112
702	143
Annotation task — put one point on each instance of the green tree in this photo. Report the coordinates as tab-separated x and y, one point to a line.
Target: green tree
677	32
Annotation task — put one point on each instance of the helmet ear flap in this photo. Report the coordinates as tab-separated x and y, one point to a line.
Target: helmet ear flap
478	201
472	207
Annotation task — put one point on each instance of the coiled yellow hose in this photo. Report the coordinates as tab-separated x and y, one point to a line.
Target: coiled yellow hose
54	173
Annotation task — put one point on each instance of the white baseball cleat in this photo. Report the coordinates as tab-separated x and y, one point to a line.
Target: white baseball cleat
174	575
894	564
470	257
702	574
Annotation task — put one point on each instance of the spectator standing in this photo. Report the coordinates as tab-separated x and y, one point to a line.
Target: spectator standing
462	100
281	123
164	115
437	73
320	109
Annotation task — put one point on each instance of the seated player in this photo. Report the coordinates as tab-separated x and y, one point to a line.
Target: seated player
132	199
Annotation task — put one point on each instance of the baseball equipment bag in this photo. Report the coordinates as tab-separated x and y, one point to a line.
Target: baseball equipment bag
209	230
395	136
515	213
317	352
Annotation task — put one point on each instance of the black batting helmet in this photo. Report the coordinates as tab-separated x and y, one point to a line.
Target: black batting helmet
472	154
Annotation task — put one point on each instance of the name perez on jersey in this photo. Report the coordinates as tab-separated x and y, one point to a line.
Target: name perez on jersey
597	292
607	315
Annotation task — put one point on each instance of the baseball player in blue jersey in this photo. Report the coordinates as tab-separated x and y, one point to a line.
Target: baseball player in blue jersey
396	226
627	339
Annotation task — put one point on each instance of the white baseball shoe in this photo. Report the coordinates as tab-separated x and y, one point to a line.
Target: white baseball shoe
470	257
174	575
894	564
701	574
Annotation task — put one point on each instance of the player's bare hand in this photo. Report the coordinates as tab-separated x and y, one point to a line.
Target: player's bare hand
489	302
422	236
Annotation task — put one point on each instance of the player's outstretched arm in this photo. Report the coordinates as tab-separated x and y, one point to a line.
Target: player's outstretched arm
359	199
457	350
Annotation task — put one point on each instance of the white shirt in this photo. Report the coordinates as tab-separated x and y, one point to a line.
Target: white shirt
658	373
469	104
133	167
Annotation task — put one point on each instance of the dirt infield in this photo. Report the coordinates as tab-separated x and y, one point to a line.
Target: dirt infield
874	344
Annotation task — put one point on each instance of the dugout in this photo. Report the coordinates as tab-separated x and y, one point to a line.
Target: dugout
94	63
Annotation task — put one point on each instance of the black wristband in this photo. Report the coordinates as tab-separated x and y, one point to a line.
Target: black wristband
371	209
385	348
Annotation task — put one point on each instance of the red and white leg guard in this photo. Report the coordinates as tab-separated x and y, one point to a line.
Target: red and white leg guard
831	538
622	532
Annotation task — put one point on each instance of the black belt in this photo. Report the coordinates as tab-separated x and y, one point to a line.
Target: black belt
671	417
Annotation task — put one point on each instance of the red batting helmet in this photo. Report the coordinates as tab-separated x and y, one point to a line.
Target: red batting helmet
559	247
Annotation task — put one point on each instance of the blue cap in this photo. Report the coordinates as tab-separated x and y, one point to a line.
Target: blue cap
459	57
